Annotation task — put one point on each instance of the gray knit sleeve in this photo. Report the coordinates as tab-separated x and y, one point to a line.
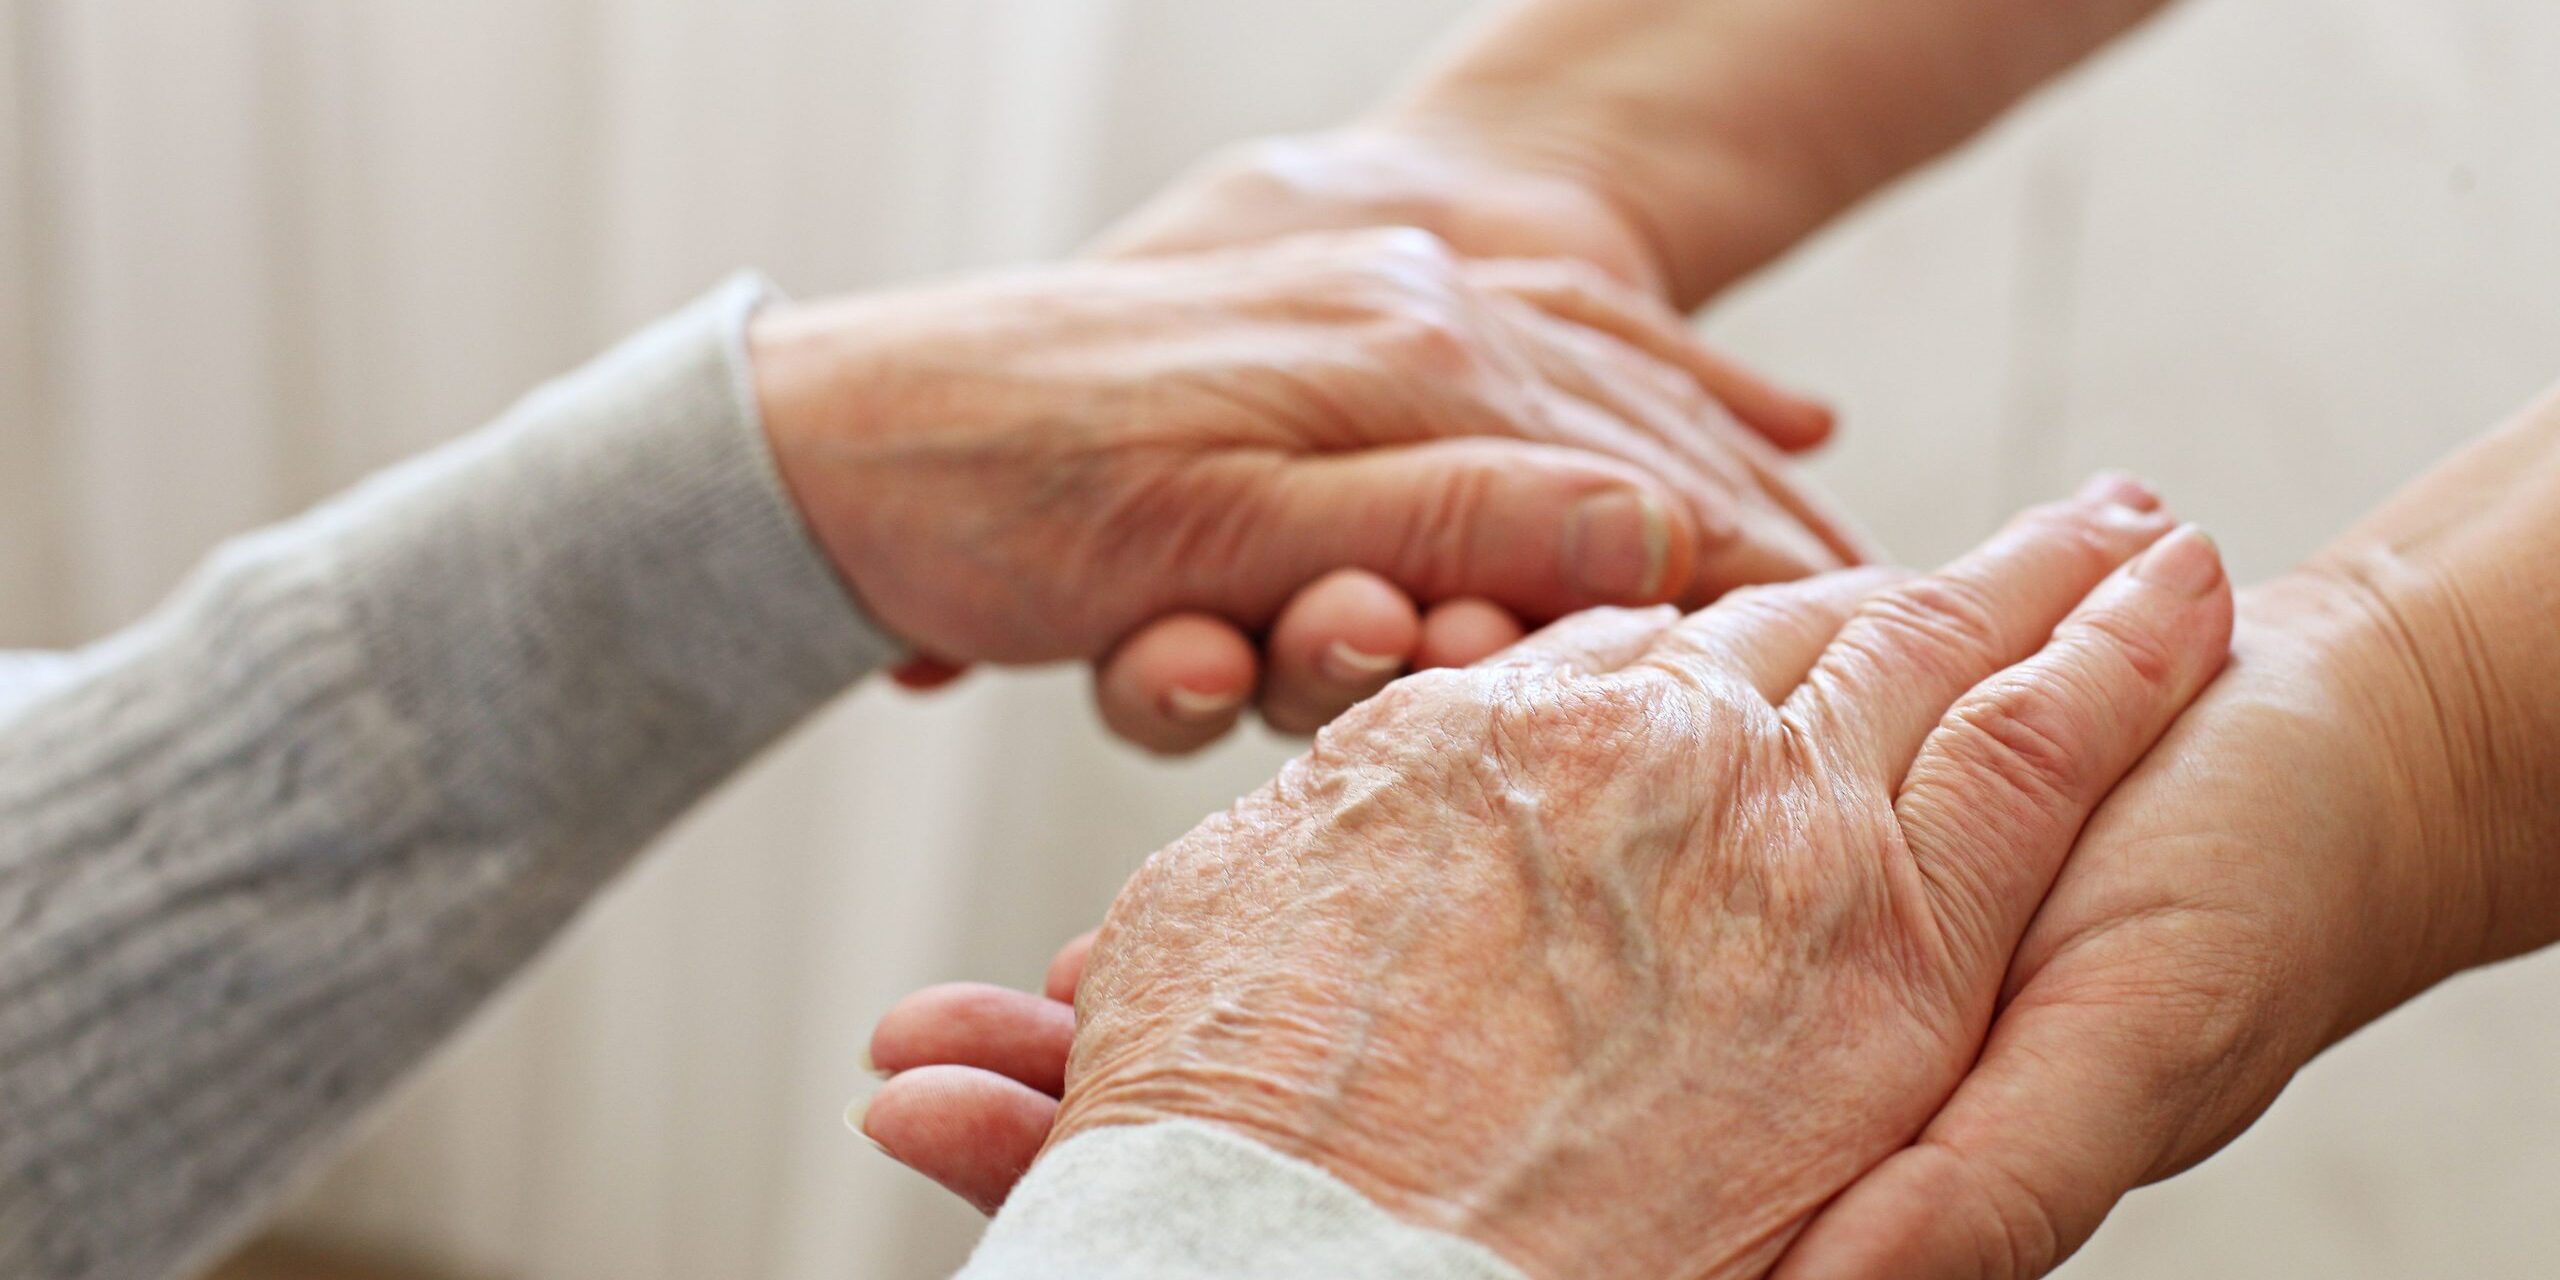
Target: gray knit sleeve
261	851
1188	1201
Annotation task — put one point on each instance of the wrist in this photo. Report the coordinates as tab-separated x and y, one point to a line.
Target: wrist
1705	212
2420	815
818	372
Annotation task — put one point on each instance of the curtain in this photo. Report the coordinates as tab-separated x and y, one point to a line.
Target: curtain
2274	256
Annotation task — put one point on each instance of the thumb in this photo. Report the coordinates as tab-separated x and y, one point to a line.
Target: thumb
2072	1106
1544	530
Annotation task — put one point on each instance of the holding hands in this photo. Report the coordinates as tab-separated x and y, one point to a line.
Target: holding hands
1636	945
1035	468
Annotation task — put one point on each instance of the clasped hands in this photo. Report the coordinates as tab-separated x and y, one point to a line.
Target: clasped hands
1682	930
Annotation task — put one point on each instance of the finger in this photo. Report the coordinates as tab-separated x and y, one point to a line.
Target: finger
1586	296
1066	972
1771	636
2074	1104
923	674
972	1131
1918	646
1801	498
1539	528
1015	1034
1748	511
2001	788
1462	633
1742	537
1594	642
1337	642
1178	684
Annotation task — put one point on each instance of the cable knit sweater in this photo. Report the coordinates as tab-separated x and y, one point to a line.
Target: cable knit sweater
262	851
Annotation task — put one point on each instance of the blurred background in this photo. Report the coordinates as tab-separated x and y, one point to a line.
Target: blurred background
2274	255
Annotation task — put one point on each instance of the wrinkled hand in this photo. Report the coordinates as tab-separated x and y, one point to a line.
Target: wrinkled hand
1461	185
1713	914
1490	195
1030	468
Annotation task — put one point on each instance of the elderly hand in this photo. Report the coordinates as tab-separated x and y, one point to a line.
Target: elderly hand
1653	934
1467	186
1492	190
1031	468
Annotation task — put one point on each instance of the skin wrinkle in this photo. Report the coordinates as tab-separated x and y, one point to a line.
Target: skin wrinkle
2498	737
1108	388
2369	581
1609	931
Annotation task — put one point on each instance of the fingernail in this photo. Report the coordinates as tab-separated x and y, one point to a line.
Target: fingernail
2121	489
1615	546
1343	664
1198	707
853	1116
870	1068
2185	562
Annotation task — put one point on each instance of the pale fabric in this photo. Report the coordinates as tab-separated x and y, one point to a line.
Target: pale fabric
2275	257
1182	1200
263	850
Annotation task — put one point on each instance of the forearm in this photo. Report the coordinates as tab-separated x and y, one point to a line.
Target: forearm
260	852
1730	129
2458	576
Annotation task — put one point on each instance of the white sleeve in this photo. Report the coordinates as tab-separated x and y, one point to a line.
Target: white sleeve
1189	1201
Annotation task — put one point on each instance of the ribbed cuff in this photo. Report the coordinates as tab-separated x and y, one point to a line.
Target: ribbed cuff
606	597
1187	1201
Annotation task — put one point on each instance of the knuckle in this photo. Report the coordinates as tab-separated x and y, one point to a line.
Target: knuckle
1411	248
1578	281
1592	716
2018	731
2021	1239
1774	606
1415	714
1407	267
1431	340
1608	295
2126	643
1937	618
1758	600
2090	533
1423	691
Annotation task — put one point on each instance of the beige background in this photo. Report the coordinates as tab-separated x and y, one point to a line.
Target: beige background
2275	256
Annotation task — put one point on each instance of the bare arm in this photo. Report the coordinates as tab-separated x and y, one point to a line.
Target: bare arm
2460	572
1727	130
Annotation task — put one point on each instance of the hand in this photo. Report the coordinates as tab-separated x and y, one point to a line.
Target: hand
2362	806
1029	469
1849	979
2214	929
1345	638
1462	185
